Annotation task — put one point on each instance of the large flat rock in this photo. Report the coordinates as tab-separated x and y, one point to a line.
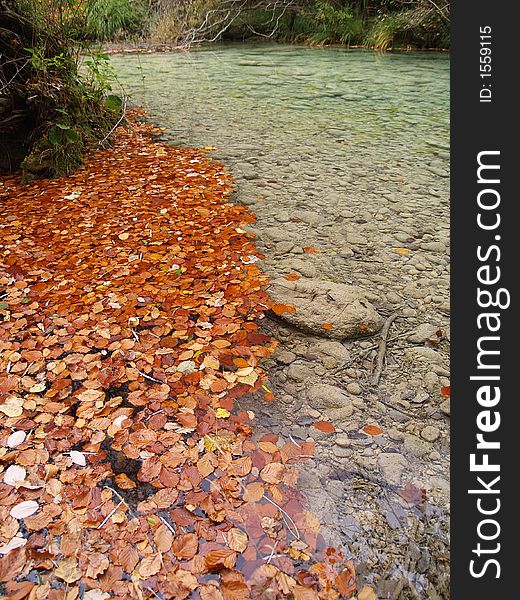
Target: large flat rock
319	302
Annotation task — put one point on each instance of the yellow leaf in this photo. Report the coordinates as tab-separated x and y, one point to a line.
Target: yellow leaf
402	251
12	407
215	442
237	540
249	379
68	570
222	413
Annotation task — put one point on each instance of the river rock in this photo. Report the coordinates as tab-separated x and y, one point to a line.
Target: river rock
332	349
323	396
317	302
430	433
416	446
391	466
423	333
286	357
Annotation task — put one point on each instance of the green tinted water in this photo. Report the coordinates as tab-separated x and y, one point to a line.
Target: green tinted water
395	103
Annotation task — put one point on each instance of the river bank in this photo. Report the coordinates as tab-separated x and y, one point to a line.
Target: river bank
343	157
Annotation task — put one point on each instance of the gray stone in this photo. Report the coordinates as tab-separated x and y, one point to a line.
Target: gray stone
298	372
333	349
445	407
423	333
354	388
416	446
420	397
342	442
304	267
323	396
391	466
317	302
430	433
284	247
340	416
286	357
423	355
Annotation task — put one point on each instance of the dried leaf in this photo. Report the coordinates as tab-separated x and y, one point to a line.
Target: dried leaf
68	570
14	474
185	546
237	539
150	565
13	407
280	309
78	458
324	426
16	542
24	509
163	538
273	472
372	430
16	439
367	593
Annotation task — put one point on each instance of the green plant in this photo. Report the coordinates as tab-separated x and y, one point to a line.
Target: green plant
105	19
62	95
384	30
341	26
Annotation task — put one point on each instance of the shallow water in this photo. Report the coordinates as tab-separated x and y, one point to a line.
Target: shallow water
392	103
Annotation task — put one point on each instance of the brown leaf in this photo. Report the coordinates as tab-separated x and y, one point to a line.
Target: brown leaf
237	539
220	558
372	430
411	494
273	472
128	557
11	564
185	546
150	565
163	538
68	570
280	309
367	593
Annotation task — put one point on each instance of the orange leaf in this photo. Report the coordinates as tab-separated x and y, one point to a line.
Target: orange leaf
124	482
292	276
185	546
445	391
279	309
311	250
346	580
273	472
328	326
220	558
372	430
324	426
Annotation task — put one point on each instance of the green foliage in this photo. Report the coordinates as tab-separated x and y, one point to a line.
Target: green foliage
106	19
417	26
381	24
341	26
384	30
65	89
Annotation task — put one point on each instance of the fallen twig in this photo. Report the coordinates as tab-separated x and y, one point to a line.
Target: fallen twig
382	349
284	515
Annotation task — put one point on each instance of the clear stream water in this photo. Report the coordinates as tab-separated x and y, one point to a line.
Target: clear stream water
395	103
347	151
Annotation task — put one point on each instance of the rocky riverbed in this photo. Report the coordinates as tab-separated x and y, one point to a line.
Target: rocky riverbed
344	160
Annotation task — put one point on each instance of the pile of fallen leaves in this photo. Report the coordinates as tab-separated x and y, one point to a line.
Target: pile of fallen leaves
129	301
